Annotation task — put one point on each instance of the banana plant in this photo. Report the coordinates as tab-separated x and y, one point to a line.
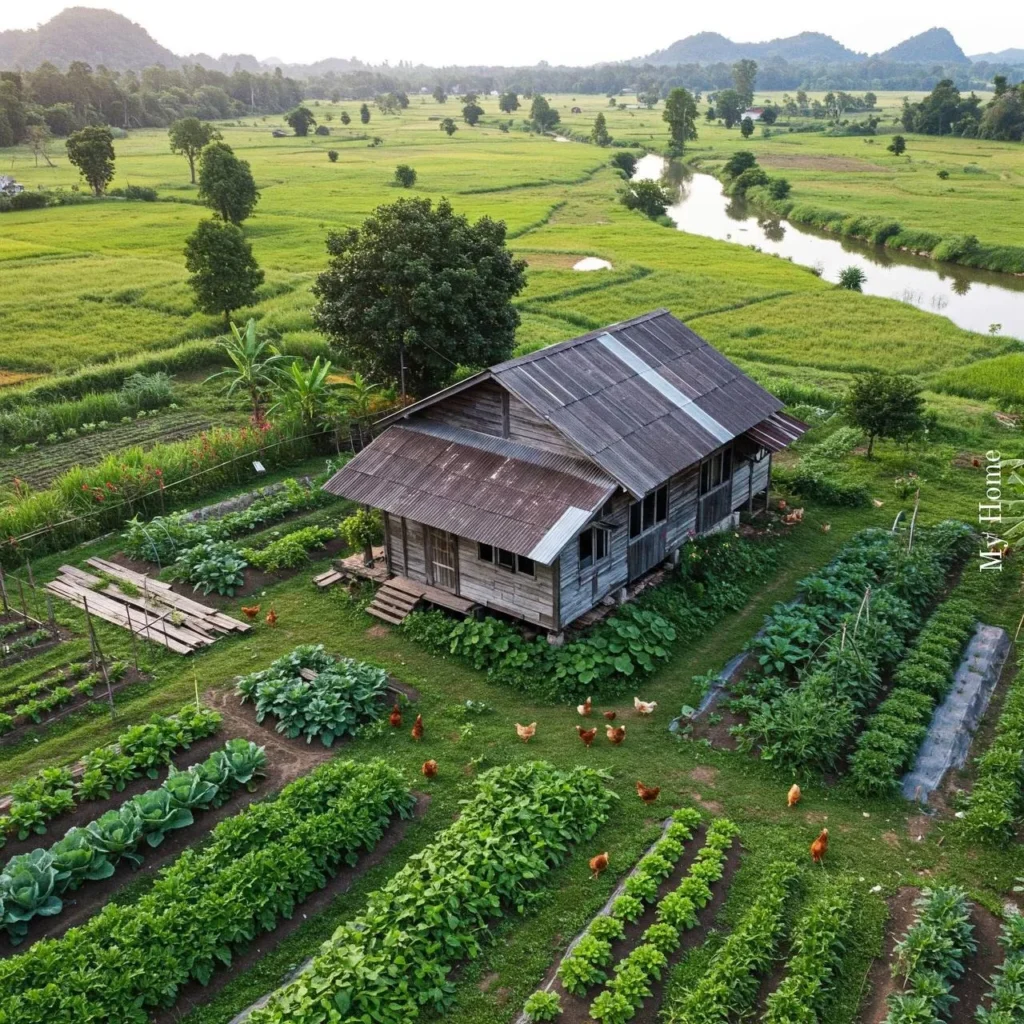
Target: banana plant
76	859
27	891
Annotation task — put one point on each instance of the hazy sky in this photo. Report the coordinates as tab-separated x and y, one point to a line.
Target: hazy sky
527	31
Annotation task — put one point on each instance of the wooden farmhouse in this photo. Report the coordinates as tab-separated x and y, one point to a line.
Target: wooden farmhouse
543	486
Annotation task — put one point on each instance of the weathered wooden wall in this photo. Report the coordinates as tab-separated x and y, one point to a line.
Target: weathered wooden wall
478	408
526	427
513	593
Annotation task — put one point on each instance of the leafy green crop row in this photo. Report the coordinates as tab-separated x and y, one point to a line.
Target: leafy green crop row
291	550
31	884
717	576
1007	992
930	957
35	700
677	912
344	695
890	740
141	750
582	967
395	958
816	956
822	659
997	798
728	988
258	867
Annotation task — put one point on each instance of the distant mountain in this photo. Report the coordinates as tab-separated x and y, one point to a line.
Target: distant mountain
87	34
226	62
1012	56
710	48
937	45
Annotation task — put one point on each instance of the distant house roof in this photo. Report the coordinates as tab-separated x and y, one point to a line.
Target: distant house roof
643	399
485	488
753	112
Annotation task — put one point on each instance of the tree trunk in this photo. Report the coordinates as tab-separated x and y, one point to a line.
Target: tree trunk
368	554
871	445
192	167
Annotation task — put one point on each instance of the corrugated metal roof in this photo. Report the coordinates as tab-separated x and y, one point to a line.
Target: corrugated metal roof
778	431
484	488
655	400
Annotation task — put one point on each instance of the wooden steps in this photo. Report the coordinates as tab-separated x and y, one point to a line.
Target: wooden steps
393	602
327	579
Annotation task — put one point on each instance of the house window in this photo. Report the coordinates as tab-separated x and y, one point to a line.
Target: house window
507	560
716	470
648	512
594	546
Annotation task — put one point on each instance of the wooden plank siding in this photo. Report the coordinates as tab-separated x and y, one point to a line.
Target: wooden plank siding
526	427
479	408
512	593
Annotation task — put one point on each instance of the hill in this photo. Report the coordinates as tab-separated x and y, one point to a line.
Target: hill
1011	56
937	44
711	47
87	34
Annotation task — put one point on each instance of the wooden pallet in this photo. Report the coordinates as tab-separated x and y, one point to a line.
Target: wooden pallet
157	614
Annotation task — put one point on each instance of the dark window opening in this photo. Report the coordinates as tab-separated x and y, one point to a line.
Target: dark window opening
586	549
485	552
594	546
716	471
648	512
506	559
524	565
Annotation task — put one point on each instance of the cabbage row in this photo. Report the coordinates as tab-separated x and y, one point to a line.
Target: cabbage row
32	884
258	867
395	958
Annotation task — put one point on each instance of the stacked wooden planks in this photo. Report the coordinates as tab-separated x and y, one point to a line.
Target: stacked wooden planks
152	611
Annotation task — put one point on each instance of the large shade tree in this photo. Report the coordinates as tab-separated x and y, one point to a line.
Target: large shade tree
226	183
188	136
417	291
223	271
681	115
91	150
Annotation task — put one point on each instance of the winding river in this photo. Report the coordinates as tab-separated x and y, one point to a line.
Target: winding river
976	300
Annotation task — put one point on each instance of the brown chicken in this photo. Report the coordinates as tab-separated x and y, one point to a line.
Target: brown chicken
429	769
794	795
820	847
526	732
794	517
587	735
250	611
271	619
417	729
598	864
610	715
395	718
584	708
615	733
647	793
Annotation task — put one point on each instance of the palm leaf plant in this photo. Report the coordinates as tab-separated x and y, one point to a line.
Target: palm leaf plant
252	368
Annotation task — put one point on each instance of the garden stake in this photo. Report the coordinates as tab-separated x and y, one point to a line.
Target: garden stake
88	624
913	519
145	607
131	633
98	654
50	616
3	593
24	607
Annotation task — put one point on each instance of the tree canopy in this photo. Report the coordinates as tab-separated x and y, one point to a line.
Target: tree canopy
300	120
419	284
729	106
680	113
91	150
887	405
226	183
542	114
472	112
744	77
223	272
509	102
188	136
599	133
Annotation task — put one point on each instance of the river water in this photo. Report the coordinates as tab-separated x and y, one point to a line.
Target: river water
973	299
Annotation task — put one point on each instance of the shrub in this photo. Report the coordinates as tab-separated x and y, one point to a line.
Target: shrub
214	565
332	155
405	176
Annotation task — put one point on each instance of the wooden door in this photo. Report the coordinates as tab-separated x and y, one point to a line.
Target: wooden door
647	551
442	556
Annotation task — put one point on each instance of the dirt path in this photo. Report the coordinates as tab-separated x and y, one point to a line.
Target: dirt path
879	984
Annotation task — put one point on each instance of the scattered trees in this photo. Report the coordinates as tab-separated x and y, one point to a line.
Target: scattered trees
680	114
943	112
91	150
509	102
405	176
472	112
364	114
852	278
332	155
746	127
224	272
345	117
729	106
188	136
542	114
226	183
898	146
417	291
739	162
300	120
649	197
744	77
439	94
886	405
599	133
449	126
625	161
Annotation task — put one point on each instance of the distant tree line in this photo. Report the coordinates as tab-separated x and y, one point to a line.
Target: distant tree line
65	101
945	111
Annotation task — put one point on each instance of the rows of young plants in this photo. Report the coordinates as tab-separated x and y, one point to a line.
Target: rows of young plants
717	575
892	735
630	984
23	641
1006	996
259	865
141	750
34	701
343	696
582	968
816	954
33	884
823	660
87	501
51	422
995	803
728	988
395	958
930	957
